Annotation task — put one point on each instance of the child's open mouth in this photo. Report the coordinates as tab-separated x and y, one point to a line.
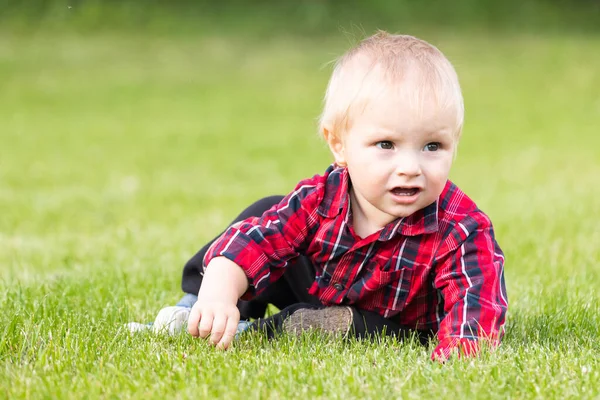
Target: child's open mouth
405	191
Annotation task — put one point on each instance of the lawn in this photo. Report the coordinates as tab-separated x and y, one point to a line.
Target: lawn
122	153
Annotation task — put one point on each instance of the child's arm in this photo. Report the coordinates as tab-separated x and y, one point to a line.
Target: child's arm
249	256
471	280
216	313
262	246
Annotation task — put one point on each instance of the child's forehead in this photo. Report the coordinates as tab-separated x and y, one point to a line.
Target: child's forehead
411	95
404	111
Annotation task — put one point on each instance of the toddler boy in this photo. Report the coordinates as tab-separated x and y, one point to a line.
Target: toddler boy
382	241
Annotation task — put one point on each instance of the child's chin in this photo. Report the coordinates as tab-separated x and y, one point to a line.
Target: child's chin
397	211
404	213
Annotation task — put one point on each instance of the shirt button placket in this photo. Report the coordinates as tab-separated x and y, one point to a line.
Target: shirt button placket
338	286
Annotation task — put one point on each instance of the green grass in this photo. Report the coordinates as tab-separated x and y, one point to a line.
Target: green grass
121	154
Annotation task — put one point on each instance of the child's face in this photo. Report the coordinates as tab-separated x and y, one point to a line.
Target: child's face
398	159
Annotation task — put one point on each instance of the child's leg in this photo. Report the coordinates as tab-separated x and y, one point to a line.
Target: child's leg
345	321
290	289
367	324
188	300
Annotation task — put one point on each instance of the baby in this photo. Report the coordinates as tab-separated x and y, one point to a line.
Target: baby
380	243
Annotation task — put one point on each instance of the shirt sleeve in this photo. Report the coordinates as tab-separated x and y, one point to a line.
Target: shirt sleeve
470	278
262	246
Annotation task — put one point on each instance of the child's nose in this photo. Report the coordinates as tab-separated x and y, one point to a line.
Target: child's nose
408	164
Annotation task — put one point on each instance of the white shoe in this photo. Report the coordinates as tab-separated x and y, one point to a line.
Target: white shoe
171	320
134	327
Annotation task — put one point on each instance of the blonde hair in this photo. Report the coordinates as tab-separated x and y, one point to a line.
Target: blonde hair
407	66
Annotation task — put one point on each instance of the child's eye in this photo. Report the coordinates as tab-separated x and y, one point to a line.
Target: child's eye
434	146
385	145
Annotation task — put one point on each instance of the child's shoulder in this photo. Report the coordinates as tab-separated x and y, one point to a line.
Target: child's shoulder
457	210
325	191
333	176
332	181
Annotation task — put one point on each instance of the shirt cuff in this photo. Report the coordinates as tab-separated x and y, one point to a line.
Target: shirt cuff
459	347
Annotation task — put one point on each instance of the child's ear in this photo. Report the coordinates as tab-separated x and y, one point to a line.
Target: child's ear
336	145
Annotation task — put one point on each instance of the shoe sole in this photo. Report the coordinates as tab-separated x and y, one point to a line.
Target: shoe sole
332	320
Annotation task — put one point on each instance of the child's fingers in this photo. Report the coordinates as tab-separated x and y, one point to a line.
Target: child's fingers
218	327
194	320
229	334
206	323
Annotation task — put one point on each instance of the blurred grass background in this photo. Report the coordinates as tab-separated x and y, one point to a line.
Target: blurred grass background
132	132
306	17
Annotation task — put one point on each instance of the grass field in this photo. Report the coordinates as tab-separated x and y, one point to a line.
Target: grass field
121	154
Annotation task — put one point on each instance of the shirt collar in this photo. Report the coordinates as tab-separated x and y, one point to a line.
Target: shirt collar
336	197
336	192
421	222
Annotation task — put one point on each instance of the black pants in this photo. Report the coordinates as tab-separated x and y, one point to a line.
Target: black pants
290	292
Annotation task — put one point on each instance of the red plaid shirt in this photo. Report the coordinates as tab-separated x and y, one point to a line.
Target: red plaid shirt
438	269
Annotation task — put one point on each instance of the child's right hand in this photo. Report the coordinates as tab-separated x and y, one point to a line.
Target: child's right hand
216	319
215	314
